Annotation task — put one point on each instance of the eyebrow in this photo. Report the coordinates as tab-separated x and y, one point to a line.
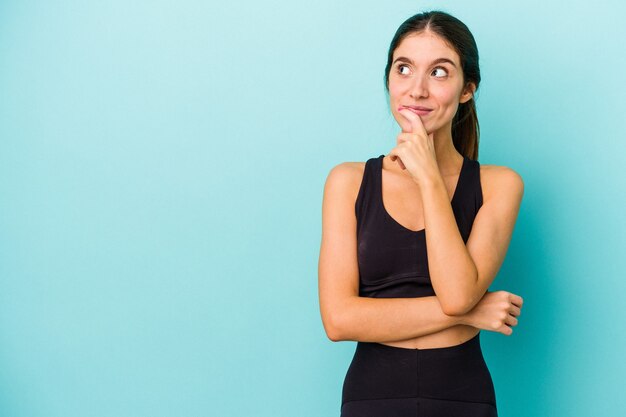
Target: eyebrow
436	61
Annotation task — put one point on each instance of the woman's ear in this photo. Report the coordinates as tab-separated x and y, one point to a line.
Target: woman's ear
468	92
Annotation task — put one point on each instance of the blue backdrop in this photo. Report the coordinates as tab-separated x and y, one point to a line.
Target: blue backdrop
161	173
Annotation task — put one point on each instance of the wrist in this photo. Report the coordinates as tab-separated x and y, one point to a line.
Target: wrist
430	184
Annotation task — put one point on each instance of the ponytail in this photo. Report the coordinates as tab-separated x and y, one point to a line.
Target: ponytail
465	130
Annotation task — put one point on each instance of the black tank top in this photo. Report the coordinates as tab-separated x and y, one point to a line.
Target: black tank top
392	259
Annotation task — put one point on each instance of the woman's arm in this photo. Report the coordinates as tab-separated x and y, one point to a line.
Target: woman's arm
381	319
407	318
460	273
345	315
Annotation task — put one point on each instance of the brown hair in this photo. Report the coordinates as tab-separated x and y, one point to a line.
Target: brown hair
465	129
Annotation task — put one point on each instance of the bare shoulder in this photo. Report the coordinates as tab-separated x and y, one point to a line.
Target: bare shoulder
499	181
344	179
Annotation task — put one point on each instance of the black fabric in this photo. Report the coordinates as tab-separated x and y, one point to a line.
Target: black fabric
386	381
393	259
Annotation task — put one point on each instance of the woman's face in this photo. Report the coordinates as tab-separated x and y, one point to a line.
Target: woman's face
426	72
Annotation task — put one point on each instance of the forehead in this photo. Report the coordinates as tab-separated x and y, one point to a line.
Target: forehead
425	46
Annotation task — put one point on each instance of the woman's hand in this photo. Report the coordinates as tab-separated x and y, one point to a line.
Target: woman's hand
415	150
496	311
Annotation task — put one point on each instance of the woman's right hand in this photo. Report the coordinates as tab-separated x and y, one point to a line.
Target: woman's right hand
496	311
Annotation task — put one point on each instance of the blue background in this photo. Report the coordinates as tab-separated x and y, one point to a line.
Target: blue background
161	173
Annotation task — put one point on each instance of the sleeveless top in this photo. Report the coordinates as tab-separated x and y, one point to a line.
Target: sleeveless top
392	259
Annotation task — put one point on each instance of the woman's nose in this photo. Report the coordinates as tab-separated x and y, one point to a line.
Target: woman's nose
419	88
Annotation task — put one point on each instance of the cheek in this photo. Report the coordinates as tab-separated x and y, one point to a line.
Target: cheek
395	91
447	97
447	101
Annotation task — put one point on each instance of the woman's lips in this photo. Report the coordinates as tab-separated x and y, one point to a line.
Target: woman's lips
420	112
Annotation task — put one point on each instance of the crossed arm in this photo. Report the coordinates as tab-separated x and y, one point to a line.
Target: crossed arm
460	273
346	316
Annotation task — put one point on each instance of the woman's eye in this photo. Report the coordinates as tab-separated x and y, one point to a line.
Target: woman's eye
400	69
443	72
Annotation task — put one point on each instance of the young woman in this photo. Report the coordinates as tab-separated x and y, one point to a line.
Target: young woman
416	313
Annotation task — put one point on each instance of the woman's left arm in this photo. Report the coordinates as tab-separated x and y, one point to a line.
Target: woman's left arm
461	273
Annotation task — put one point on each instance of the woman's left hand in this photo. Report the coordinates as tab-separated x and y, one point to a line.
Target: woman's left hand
415	150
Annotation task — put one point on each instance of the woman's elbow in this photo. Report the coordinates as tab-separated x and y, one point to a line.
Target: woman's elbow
332	334
332	327
455	307
462	302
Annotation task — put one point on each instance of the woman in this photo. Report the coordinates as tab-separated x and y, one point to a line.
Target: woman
417	314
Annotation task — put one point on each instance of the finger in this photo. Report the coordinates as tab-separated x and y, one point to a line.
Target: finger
404	137
400	139
505	329
512	321
517	300
397	159
416	122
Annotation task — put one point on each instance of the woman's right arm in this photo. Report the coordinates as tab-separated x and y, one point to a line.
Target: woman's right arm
346	315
